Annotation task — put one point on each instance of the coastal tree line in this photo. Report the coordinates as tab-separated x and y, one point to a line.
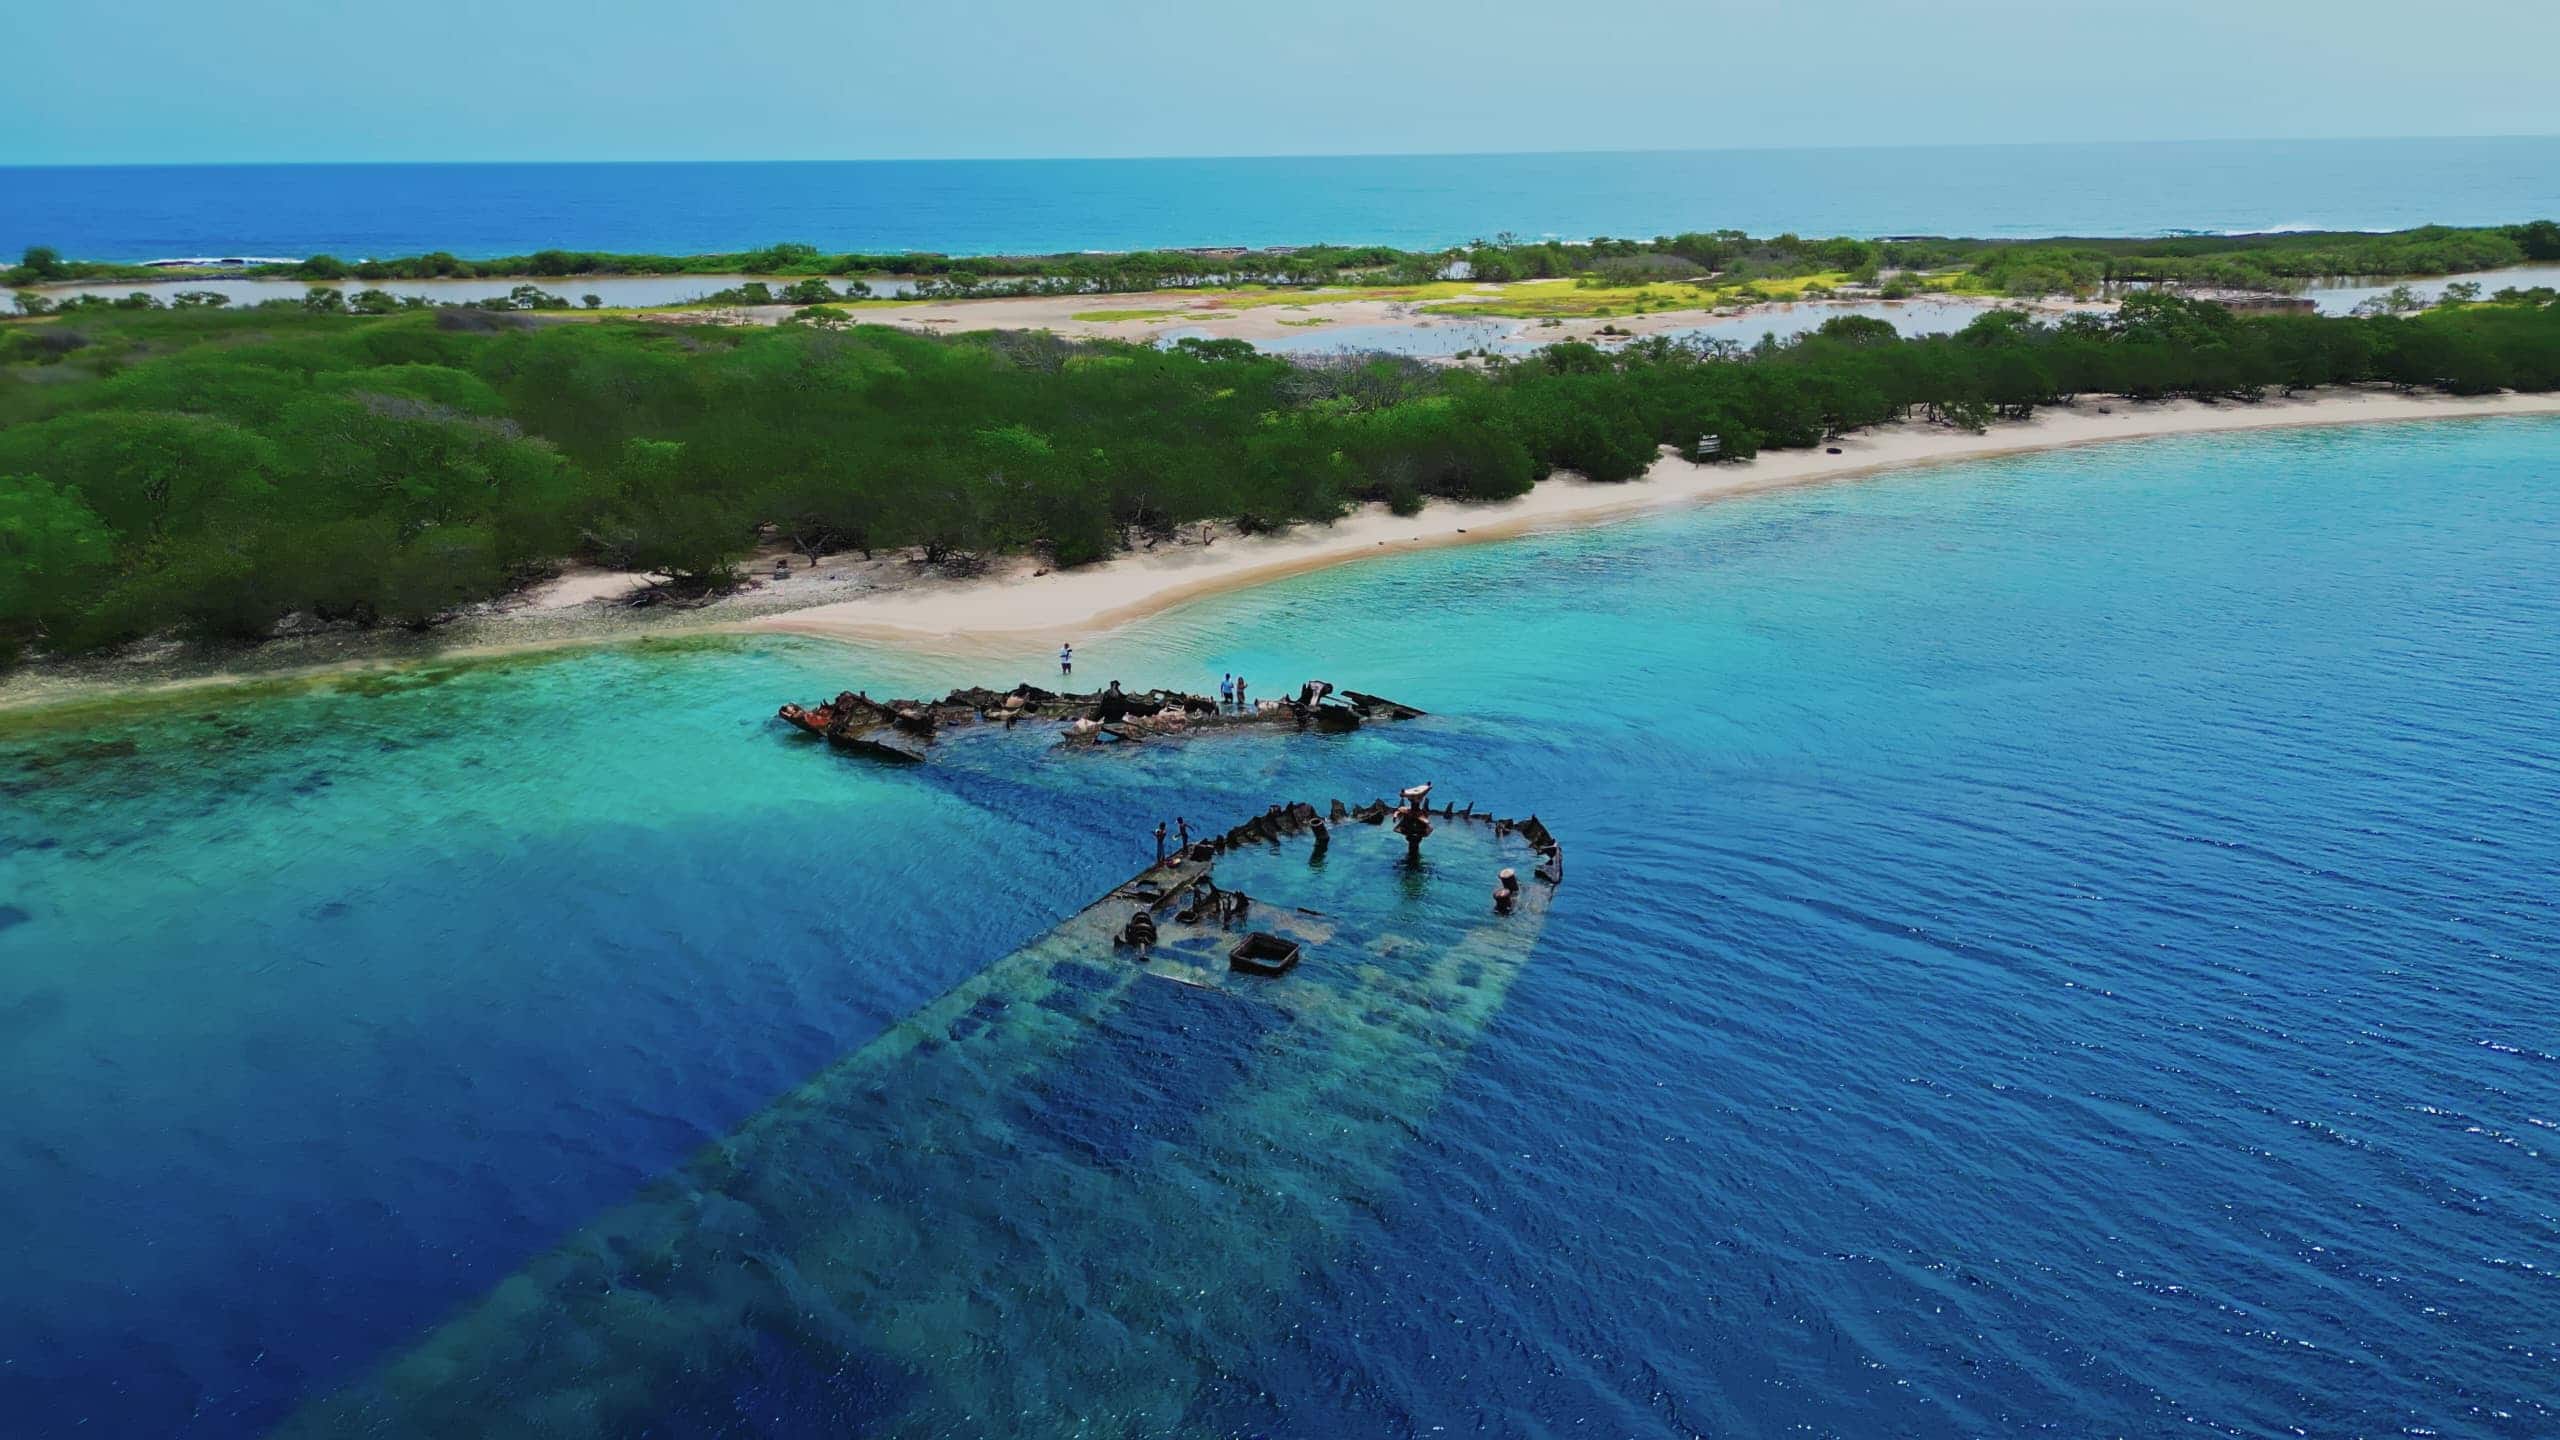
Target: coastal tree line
212	472
2013	266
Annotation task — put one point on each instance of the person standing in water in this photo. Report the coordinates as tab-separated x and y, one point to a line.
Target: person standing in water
1413	821
1241	707
1226	690
1067	659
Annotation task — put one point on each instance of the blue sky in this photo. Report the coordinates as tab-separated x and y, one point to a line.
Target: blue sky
137	81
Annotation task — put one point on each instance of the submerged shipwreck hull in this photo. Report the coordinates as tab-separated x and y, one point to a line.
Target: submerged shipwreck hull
904	730
1077	1185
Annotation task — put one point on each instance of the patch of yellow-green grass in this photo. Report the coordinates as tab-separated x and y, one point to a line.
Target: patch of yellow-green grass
1571	299
1249	298
1790	288
1543	299
1106	317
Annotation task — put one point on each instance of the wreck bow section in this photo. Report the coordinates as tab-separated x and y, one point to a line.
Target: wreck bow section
904	731
1079	1183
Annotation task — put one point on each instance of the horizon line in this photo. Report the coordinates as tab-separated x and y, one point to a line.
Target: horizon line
1279	155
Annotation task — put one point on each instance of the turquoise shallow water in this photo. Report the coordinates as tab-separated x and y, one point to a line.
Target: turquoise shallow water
2062	943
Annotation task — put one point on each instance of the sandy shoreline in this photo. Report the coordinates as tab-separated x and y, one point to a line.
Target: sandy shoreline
1018	605
1006	615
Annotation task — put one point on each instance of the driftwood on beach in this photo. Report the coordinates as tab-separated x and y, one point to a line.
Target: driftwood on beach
903	730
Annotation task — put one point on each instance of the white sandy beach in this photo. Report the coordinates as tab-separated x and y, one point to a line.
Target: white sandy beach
1020	605
1006	611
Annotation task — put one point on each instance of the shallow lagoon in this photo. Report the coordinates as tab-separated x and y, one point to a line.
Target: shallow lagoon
2054	943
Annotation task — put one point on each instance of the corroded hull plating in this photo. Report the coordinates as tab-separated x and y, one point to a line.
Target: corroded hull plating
1073	1186
904	730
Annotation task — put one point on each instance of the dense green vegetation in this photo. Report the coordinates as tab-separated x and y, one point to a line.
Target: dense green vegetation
950	276
43	265
2020	267
2032	267
211	472
2039	267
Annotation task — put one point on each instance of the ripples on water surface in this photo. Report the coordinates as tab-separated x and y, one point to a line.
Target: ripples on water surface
2063	944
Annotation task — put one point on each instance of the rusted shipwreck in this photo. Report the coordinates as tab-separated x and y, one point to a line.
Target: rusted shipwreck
904	730
1180	1123
1179	909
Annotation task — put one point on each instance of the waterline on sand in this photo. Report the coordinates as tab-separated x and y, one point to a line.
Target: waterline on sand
1020	603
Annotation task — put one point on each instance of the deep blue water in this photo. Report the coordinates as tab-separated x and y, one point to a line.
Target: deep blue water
1040	206
2058	945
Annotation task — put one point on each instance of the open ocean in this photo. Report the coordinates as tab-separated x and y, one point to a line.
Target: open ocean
2056	946
1040	206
